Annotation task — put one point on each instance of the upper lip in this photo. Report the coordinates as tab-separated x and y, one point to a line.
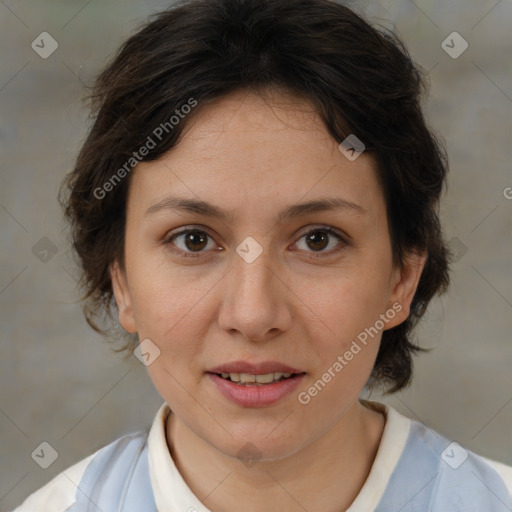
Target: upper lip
254	368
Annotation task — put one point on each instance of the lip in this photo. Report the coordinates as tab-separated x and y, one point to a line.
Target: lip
254	368
256	396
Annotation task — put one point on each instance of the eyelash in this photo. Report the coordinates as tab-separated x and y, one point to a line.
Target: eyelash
168	241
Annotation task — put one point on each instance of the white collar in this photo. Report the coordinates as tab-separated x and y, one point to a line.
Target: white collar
172	493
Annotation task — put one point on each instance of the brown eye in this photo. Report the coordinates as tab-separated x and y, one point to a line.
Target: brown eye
316	241
189	241
196	240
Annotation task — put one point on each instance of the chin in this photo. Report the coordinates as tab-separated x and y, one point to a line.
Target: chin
250	448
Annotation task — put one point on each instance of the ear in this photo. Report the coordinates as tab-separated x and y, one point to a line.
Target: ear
123	297
404	283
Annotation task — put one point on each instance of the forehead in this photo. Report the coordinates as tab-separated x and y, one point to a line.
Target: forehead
243	118
244	151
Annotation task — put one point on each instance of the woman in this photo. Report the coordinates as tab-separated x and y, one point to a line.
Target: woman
258	199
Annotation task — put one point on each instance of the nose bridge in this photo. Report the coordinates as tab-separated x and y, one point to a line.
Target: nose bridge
253	302
252	278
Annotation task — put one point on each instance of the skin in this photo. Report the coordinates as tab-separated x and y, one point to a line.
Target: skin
298	303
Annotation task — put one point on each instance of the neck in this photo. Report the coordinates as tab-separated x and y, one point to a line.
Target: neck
327	474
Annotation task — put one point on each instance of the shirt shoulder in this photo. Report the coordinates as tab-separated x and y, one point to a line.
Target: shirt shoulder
503	470
436	474
418	469
59	493
62	492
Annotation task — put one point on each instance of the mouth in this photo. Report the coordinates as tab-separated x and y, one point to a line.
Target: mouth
256	389
248	379
264	373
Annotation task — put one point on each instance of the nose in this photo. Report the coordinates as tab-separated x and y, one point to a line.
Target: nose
255	299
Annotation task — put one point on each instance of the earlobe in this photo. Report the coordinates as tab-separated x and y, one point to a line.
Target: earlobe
123	298
405	284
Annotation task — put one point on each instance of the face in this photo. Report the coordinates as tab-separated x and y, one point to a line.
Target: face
251	285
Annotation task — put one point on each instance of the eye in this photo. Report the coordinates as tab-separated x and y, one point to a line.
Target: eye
319	238
194	242
191	241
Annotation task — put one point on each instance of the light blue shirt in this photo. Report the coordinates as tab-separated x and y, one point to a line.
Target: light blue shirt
416	470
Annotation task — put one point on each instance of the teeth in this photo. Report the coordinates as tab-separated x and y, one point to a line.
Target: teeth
259	379
266	378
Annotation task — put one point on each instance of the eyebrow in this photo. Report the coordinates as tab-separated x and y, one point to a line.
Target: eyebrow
200	207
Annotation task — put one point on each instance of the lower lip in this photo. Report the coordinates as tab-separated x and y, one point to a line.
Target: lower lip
256	396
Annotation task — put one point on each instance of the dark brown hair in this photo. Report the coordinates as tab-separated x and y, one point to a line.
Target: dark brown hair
360	79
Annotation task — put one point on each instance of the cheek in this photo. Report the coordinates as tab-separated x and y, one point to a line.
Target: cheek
347	350
352	302
175	313
165	296
348	337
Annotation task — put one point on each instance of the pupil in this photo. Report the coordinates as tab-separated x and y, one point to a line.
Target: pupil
195	237
316	239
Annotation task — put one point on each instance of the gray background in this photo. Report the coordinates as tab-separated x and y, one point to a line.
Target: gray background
60	382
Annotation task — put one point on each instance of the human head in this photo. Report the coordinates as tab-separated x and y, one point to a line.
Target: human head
360	81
